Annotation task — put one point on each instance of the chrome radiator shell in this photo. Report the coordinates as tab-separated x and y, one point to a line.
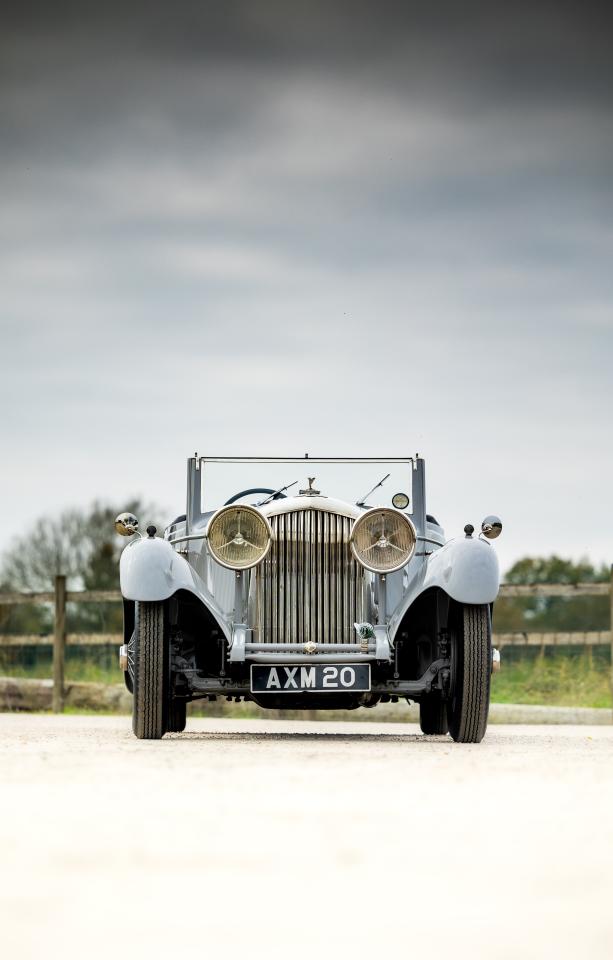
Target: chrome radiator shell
310	588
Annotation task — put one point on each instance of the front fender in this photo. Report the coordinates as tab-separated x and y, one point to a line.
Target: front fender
149	569
466	569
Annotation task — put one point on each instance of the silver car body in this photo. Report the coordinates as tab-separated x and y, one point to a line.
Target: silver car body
249	606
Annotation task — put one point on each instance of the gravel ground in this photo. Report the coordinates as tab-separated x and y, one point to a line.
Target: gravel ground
303	839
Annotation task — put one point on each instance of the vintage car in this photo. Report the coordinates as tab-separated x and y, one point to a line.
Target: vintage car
308	601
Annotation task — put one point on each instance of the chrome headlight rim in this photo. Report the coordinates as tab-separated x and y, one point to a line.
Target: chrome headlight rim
399	516
239	508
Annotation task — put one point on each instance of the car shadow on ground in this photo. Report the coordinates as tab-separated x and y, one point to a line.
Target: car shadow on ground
248	736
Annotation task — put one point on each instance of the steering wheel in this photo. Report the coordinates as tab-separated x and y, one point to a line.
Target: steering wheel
247	493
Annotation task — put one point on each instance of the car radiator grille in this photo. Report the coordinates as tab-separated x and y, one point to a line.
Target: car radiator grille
309	587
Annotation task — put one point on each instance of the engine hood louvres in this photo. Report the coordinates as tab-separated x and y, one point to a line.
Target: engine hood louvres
310	588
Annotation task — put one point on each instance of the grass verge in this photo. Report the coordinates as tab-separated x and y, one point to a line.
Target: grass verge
573	678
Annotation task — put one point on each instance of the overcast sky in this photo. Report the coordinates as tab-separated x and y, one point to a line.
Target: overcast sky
357	229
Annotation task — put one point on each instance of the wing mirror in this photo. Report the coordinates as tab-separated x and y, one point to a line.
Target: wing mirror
491	527
126	524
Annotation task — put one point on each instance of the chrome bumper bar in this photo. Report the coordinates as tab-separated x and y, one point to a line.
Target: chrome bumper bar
242	649
309	658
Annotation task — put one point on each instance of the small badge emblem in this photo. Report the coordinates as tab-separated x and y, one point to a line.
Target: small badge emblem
310	647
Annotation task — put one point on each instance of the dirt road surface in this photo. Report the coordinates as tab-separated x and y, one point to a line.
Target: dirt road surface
302	839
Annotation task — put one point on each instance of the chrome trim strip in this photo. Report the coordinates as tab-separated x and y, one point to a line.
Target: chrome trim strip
273	658
192	536
307	459
299	648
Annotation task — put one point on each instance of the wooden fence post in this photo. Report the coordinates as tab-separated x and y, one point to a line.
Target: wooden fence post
59	644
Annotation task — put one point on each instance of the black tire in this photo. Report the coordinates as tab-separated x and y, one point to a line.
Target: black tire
471	659
150	703
433	715
177	716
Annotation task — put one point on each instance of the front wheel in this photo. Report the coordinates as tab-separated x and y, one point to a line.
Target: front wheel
471	658
433	715
150	666
177	716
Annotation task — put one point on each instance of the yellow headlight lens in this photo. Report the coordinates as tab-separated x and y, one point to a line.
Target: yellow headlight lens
383	540
239	537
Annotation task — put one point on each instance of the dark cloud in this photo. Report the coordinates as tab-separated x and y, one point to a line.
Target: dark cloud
545	47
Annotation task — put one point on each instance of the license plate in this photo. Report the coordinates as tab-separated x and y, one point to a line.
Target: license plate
315	677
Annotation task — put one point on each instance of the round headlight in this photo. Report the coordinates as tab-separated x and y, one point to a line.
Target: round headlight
383	540
239	537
